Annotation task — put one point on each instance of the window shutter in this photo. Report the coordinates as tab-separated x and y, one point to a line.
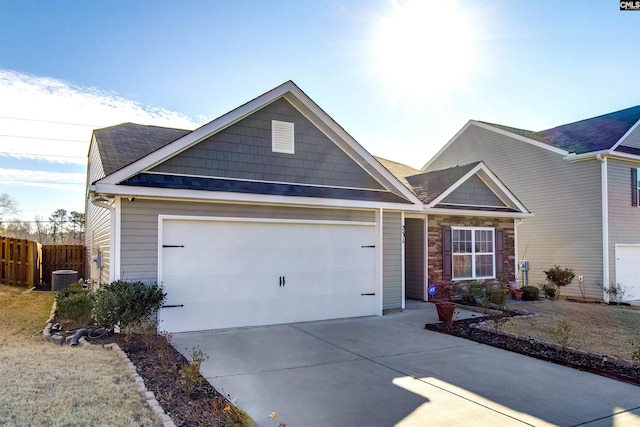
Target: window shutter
634	187
500	274
447	258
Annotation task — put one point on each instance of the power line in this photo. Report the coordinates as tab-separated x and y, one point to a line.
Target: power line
41	155
46	139
48	121
33	222
22	222
50	183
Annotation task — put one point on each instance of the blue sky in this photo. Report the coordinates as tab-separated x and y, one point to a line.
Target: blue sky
402	77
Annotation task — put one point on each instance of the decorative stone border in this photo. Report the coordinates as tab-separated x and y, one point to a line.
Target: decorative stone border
485	326
148	396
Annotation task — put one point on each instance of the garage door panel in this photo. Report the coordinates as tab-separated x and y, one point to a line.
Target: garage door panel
233	287
227	274
196	260
233	314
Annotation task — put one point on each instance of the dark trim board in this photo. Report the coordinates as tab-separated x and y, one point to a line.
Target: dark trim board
268	188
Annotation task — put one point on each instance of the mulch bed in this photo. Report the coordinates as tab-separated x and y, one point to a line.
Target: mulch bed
533	348
159	364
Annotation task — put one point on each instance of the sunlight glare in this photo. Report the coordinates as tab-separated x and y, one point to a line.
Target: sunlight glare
424	49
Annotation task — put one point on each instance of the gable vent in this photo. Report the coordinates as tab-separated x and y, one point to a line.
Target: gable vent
282	140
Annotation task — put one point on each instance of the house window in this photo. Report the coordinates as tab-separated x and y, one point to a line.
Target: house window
473	253
282	137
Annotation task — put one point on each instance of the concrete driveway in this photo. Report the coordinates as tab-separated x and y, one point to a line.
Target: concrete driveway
386	371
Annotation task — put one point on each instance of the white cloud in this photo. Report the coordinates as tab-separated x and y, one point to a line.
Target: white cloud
48	119
31	178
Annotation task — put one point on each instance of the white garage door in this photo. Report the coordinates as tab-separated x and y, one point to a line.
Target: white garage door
628	270
222	273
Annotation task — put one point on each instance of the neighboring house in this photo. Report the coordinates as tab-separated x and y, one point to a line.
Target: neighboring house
272	213
581	181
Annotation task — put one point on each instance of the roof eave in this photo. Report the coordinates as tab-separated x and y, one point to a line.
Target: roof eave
471	212
594	155
232	197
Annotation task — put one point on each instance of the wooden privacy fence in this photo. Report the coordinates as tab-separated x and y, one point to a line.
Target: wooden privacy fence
19	262
62	257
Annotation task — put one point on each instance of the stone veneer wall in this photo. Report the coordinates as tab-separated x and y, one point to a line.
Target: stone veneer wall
435	224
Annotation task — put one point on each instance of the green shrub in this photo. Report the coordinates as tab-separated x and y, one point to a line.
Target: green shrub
530	293
562	334
75	304
549	291
478	289
190	372
126	303
498	296
559	277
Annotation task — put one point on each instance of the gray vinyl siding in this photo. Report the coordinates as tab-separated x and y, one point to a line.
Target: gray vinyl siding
97	223
564	196
506	201
474	192
624	219
244	151
414	258
633	139
139	227
98	238
392	260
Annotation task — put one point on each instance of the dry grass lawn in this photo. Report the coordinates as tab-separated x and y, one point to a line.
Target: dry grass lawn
45	384
600	328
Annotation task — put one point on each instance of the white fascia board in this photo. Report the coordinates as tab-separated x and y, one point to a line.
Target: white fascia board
627	133
219	196
623	156
592	155
443	149
198	135
316	115
468	212
603	153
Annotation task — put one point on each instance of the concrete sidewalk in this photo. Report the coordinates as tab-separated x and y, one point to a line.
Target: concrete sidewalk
385	371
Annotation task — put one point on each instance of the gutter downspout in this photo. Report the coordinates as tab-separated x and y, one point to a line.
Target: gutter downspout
103	202
605	226
516	223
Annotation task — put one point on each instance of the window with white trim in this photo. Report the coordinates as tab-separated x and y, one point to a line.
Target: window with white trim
473	253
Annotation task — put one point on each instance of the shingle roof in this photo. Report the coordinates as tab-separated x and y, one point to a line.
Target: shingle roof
429	185
123	144
399	170
594	134
523	132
